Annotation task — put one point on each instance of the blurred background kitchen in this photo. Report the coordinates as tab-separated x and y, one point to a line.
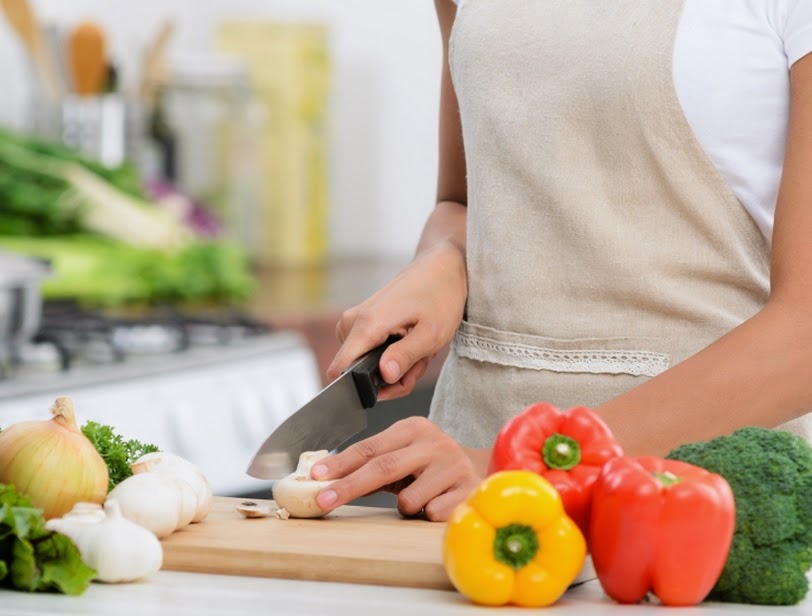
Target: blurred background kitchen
191	193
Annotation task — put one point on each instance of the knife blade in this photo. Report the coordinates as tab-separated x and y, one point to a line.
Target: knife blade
336	414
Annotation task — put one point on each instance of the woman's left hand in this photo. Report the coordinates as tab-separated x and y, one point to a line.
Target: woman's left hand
427	469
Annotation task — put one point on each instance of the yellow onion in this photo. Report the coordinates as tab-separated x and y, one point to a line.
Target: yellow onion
52	462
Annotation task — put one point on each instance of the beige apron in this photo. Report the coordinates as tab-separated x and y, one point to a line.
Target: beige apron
603	245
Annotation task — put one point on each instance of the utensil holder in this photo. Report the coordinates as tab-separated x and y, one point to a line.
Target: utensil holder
108	128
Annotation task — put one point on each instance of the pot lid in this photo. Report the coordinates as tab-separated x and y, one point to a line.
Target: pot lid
16	269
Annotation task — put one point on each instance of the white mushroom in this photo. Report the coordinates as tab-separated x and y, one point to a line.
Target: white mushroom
296	493
251	509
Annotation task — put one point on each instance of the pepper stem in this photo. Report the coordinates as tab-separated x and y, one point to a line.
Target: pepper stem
667	478
561	452
515	545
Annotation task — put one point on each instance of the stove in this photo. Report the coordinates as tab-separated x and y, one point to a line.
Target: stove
207	386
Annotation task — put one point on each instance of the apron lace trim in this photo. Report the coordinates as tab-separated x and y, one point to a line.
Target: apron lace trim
595	361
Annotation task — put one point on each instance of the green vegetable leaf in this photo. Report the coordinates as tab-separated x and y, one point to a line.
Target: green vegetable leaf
98	271
24	570
117	453
33	558
60	565
18	520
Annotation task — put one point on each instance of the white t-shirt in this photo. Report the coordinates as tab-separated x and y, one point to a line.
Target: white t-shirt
731	75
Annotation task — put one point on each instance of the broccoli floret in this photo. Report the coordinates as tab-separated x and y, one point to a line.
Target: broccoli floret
770	473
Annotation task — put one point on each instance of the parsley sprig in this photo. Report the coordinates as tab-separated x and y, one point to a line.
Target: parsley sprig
117	453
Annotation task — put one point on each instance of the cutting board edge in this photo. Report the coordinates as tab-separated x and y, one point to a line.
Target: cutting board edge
345	569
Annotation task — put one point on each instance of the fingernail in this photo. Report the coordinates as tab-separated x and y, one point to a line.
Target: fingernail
393	369
319	471
326	499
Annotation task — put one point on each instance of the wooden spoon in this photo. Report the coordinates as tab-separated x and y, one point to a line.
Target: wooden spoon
87	58
154	72
22	19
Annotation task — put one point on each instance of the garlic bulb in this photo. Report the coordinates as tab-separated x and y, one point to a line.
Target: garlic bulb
52	462
119	550
164	494
151	500
179	468
75	520
187	501
296	493
87	511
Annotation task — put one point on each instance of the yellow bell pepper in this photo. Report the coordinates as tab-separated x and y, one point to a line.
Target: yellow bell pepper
510	541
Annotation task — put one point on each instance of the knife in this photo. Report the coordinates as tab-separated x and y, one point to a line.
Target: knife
335	415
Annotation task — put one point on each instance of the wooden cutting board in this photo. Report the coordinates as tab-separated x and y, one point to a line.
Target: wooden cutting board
367	545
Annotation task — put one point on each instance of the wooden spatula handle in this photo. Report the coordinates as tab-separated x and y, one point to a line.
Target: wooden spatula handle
87	56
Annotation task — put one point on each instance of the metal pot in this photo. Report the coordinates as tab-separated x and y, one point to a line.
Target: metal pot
20	300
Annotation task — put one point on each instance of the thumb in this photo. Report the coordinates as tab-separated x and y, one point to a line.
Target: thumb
405	353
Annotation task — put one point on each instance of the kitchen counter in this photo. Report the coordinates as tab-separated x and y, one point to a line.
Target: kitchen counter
310	302
182	594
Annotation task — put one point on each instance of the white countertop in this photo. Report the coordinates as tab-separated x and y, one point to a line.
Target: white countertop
186	594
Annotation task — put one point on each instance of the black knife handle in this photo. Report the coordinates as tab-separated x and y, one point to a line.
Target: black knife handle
367	374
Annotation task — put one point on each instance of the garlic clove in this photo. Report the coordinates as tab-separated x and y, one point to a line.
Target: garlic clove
202	489
159	459
250	509
151	500
296	493
188	501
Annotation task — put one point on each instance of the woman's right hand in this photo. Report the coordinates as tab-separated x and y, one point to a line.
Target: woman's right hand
423	305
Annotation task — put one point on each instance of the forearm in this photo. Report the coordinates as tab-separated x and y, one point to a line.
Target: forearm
758	374
445	226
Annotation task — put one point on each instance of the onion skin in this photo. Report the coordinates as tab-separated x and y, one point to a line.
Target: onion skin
52	462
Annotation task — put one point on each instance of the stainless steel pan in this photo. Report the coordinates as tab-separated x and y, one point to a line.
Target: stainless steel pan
20	300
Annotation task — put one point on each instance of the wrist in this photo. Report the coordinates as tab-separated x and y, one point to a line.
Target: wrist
480	458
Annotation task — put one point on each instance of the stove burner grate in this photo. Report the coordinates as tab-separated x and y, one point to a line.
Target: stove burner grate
98	337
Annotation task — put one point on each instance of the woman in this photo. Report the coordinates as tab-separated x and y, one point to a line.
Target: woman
609	177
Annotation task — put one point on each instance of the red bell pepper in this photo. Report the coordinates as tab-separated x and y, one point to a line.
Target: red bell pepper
568	448
660	526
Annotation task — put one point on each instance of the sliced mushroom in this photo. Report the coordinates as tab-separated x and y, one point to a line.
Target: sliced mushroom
250	509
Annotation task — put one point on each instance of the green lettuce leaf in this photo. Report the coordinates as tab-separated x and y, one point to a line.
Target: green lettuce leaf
33	558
